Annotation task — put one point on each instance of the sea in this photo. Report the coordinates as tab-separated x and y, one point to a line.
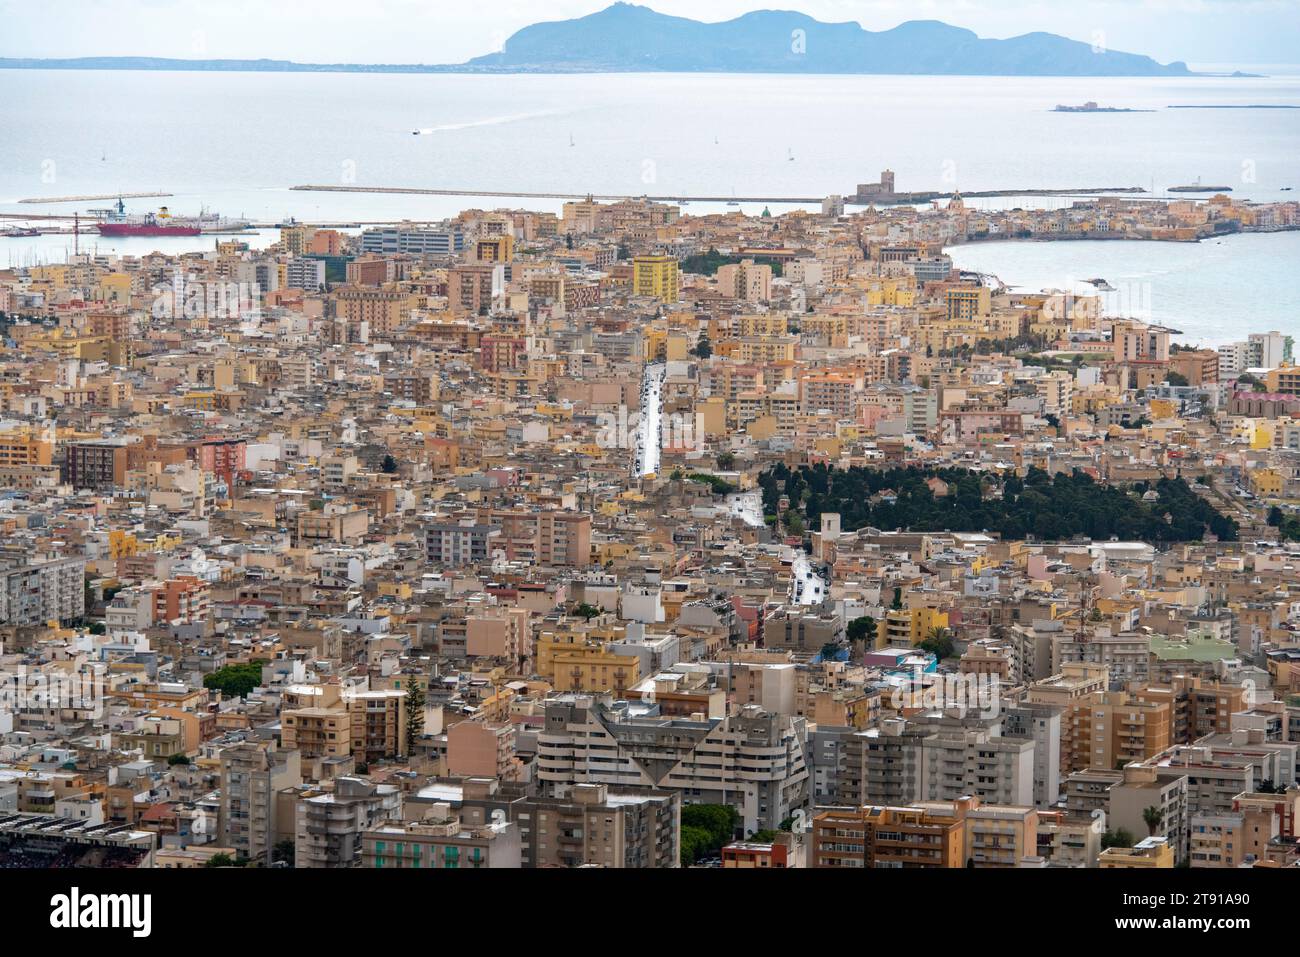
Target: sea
235	143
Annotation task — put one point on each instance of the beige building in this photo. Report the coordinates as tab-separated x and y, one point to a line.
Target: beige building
252	775
593	824
483	749
1112	728
745	280
1150	852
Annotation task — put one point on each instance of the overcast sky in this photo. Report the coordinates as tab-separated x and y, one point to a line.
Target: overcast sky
449	31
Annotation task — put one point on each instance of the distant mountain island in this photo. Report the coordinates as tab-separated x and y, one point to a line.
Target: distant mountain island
626	38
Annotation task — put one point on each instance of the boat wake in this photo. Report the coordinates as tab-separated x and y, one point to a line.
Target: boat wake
488	121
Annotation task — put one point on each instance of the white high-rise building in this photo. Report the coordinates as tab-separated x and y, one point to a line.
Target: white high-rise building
1261	350
36	590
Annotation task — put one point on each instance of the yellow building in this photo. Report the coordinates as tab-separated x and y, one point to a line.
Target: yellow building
593	669
910	626
572	656
761	350
115	287
24	448
891	292
661	345
1283	379
1266	483
122	544
496	249
204	401
767	324
969	302
656	277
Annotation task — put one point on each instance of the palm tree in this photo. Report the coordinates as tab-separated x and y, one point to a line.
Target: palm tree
938	641
1153	817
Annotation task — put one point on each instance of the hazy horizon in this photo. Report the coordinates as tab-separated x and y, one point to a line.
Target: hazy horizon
1206	34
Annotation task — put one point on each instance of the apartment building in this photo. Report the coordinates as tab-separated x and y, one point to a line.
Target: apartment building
1267	821
183	600
455	544
957	760
252	776
1112	728
384	310
306	274
473	288
1040	724
1127	656
441	842
1067	841
412	240
98	464
784	852
887	837
1164	790
596	824
551	538
330	824
745	280
483	749
1149	853
1217	840
656	277
36	589
998	836
753	760
24	448
326	721
378	723
1197	707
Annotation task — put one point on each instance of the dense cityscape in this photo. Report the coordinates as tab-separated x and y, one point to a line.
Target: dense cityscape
627	537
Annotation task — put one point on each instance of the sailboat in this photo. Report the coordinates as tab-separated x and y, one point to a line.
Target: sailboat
790	154
571	143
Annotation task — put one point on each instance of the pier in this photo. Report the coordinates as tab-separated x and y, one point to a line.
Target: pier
37	200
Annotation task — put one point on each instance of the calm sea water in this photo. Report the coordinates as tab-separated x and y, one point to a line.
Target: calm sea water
236	142
1214	291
